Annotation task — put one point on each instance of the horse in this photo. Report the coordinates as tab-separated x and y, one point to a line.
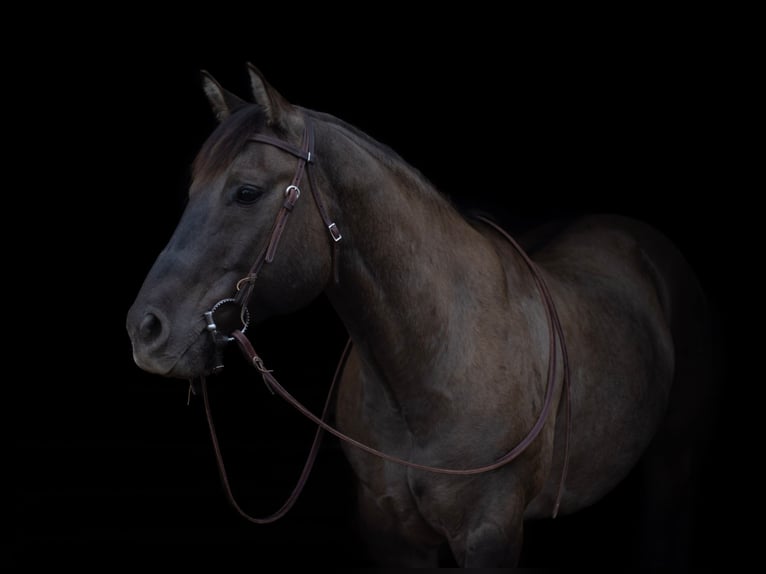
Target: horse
587	343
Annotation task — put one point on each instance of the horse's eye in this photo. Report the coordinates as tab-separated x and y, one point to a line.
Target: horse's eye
248	194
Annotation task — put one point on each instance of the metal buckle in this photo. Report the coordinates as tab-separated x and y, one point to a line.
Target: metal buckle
336	236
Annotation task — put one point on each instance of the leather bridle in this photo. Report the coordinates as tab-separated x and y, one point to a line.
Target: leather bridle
244	287
306	158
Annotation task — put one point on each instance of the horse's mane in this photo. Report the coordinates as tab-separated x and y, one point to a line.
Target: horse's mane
379	150
390	158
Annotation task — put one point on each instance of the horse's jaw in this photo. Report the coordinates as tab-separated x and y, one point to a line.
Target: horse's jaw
191	364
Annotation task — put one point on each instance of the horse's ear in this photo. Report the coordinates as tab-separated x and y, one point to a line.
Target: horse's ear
274	104
222	101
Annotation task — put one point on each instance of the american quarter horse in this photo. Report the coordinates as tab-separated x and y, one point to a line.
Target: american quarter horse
552	375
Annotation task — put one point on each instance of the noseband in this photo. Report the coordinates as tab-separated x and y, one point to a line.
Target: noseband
244	287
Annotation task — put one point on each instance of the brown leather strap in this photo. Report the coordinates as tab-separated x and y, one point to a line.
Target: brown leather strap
308	465
282	392
292	193
556	333
332	228
304	153
553	315
306	158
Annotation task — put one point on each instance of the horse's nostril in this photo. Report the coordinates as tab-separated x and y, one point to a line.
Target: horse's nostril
150	327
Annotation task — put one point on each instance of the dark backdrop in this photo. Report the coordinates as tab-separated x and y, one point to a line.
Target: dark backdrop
111	457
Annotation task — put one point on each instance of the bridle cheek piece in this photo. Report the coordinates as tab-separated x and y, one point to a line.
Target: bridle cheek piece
244	287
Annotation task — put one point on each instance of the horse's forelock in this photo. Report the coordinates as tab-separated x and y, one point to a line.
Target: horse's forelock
227	141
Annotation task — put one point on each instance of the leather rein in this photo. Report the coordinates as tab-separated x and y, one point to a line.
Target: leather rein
306	157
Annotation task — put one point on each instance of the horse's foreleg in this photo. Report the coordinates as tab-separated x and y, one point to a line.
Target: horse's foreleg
393	537
492	537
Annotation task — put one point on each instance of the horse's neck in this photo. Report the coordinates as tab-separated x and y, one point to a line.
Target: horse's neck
417	283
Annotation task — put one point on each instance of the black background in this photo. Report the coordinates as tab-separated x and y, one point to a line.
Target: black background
528	123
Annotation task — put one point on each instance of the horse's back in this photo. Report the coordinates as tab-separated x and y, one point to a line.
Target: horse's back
621	246
629	248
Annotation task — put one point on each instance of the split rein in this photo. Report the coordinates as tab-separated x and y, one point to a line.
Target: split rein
305	156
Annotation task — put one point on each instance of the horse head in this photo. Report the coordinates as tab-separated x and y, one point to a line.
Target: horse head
246	180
